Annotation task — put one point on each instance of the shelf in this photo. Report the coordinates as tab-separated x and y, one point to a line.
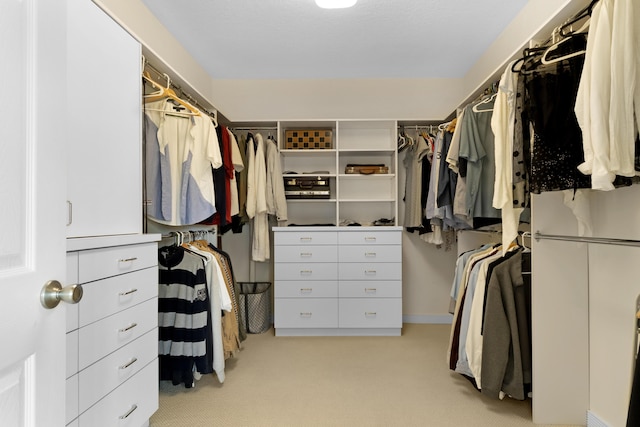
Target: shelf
365	176
327	152
367	200
311	200
361	198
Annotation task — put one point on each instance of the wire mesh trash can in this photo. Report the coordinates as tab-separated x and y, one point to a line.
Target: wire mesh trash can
255	306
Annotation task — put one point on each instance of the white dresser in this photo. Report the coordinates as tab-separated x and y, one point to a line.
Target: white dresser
112	333
338	280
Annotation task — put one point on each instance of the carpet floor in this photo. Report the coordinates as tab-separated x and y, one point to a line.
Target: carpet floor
339	381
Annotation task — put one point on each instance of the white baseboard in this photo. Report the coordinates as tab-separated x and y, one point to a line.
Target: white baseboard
594	421
437	319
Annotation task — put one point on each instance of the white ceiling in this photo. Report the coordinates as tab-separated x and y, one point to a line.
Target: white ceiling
294	39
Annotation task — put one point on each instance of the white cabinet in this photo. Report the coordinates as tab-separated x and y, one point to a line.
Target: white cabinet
356	198
103	149
338	280
112	335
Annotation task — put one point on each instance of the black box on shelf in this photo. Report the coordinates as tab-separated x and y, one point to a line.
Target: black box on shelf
316	187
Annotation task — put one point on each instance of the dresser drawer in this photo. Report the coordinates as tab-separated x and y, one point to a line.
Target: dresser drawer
306	253
305	238
306	313
105	375
105	297
101	338
370	313
130	405
370	271
306	289
374	237
98	264
377	289
305	271
370	253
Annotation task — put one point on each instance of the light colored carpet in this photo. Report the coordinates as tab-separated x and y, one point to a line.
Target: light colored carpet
339	381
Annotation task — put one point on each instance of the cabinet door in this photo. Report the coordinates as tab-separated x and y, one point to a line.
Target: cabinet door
104	173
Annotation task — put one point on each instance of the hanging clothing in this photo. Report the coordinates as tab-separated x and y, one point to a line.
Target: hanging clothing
503	126
256	198
275	198
184	330
477	148
181	150
238	166
219	301
557	140
413	162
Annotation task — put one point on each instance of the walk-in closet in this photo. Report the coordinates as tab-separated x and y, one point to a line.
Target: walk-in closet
308	213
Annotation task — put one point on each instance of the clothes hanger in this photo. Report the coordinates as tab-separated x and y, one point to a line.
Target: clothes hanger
544	59
476	108
584	13
167	92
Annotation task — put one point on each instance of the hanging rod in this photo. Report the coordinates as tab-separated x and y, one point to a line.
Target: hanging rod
213	113
601	240
256	128
177	233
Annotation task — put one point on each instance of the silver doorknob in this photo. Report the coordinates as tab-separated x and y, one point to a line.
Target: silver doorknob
53	292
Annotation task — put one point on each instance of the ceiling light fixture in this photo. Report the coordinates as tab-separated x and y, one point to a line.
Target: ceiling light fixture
335	4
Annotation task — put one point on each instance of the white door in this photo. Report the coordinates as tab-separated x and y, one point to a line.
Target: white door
32	210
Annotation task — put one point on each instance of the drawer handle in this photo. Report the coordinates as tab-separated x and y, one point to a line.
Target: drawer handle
370	290
129	363
128	259
370	272
370	254
306	271
129	412
308	290
128	328
129	292
305	314
306	239
370	239
370	313
306	254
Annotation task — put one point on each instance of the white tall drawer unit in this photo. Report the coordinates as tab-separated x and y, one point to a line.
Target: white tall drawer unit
338	281
306	280
112	336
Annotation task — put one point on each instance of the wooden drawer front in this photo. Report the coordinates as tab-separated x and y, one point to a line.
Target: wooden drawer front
306	254
305	271
72	391
306	313
72	353
306	289
100	378
98	264
370	313
101	338
377	289
370	253
305	238
105	297
370	238
130	405
370	271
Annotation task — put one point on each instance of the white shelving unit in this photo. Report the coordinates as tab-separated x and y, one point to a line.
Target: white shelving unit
341	280
359	198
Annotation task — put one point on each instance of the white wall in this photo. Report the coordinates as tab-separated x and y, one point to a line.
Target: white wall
402	99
